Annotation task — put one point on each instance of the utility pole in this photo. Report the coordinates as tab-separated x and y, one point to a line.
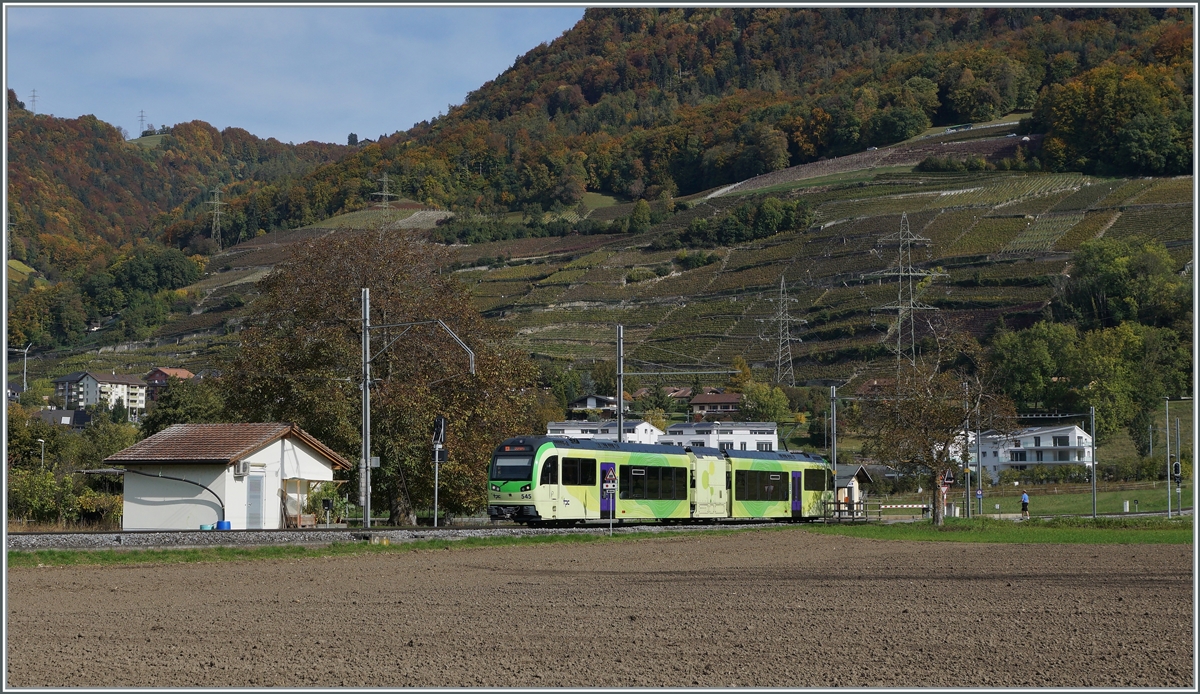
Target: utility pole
620	383
25	369
1095	465
364	463
833	424
216	220
906	302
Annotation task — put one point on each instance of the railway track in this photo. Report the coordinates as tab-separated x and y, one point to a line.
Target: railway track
190	539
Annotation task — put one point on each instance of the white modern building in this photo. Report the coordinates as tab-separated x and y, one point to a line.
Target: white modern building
738	436
636	430
256	476
83	388
1021	450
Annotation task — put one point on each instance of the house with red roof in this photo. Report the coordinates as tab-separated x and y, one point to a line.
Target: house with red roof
156	380
255	476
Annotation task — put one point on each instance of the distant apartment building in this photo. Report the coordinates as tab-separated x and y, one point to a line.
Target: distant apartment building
83	388
636	430
1021	450
736	436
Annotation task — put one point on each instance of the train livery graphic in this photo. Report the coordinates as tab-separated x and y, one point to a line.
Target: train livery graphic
560	481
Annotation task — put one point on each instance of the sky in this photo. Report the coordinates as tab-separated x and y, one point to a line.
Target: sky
296	73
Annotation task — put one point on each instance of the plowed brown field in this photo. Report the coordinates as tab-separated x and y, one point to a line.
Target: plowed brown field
783	608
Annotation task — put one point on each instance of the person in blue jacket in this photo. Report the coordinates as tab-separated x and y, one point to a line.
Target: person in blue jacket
1024	504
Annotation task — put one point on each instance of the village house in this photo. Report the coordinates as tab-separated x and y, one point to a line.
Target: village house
715	405
156	380
254	476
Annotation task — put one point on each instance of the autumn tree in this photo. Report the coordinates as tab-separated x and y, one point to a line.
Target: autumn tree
918	423
300	361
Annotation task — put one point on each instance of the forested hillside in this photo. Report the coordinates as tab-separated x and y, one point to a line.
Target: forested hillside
640	104
88	209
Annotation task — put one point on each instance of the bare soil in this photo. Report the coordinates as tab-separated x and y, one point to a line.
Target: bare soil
765	608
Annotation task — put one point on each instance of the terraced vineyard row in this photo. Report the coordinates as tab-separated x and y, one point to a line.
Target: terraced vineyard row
566	306
1043	233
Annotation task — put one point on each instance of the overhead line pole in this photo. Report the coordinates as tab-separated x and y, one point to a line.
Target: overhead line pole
364	463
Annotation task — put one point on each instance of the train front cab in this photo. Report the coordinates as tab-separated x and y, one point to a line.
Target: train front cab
511	491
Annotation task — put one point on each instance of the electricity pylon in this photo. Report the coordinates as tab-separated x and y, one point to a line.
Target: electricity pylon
386	204
906	304
216	220
783	337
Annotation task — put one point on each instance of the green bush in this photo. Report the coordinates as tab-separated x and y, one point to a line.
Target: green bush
327	490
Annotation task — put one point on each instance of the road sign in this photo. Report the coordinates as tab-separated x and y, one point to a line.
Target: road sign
609	476
610	486
978	493
945	489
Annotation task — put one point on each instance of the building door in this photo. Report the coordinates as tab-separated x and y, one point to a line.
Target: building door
254	502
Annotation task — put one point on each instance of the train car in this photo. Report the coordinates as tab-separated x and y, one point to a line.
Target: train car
561	481
778	485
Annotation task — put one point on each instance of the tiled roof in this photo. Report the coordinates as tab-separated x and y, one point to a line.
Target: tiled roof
127	379
70	378
215	444
172	372
716	398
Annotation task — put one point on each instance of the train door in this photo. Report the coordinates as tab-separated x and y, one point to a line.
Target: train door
577	475
608	490
549	483
797	493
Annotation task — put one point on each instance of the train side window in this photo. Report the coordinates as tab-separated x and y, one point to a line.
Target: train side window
682	482
570	471
739	485
549	471
815	480
587	472
653	477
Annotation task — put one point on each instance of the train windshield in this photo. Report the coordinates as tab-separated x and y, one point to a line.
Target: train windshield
512	468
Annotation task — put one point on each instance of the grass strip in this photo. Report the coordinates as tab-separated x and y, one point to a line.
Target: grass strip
1072	531
122	557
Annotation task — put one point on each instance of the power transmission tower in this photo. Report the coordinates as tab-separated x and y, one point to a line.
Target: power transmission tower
906	303
216	220
783	336
141	122
386	204
33	101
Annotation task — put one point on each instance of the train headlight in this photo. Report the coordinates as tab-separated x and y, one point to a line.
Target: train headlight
527	487
495	487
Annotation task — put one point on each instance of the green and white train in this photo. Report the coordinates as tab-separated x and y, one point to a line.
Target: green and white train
560	481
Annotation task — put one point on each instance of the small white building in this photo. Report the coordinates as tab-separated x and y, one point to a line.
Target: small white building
738	436
1021	450
256	476
636	430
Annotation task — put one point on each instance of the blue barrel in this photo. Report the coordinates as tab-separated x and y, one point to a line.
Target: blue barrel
224	525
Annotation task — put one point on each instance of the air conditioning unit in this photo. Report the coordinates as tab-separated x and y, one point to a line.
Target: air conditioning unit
241	468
